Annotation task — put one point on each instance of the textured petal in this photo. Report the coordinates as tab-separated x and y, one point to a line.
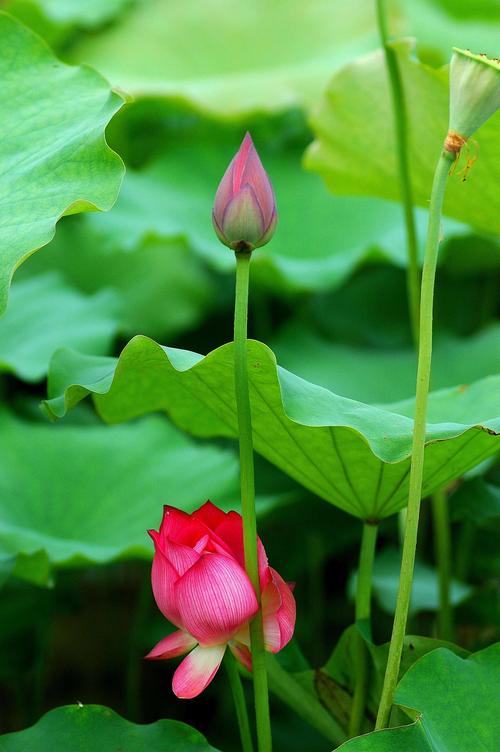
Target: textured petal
215	598
182	557
231	532
174	644
180	527
255	175
243	220
163	579
224	194
210	515
197	671
242	654
270	229
278	613
240	162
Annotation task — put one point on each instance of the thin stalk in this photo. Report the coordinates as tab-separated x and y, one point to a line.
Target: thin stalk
401	131
363	614
417	458
442	547
303	702
240	705
261	693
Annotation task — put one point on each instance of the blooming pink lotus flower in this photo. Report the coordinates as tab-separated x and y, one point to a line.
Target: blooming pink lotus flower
244	214
200	585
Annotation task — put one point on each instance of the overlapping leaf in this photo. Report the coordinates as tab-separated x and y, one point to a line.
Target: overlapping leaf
378	375
109	487
350	453
53	155
355	150
243	62
455	701
45	314
162	287
83	727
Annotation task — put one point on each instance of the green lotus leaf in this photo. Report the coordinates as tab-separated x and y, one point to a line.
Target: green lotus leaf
355	149
243	61
44	314
334	683
378	375
116	480
454	701
353	454
163	288
82	727
53	155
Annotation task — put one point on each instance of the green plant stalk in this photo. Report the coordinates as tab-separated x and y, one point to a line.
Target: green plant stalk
261	693
302	702
363	614
442	547
401	131
417	457
239	702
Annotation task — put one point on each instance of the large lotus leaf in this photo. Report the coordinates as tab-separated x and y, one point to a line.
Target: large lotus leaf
108	487
350	453
379	375
53	155
82	727
455	701
231	59
334	683
44	314
162	286
90	14
439	25
355	150
317	244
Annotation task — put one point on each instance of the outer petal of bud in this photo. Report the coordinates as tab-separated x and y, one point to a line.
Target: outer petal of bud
244	214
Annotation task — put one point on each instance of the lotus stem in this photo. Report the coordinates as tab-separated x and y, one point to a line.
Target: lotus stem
261	693
363	616
417	457
401	132
240	705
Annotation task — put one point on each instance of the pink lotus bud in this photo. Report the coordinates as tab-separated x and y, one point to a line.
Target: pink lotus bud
200	585
244	213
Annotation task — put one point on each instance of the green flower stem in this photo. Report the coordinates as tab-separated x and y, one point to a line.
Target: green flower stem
303	702
417	457
239	702
363	614
401	131
442	545
261	694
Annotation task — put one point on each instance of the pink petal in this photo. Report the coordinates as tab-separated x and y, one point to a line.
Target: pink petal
163	579
255	175
243	219
182	557
174	644
197	671
242	654
215	598
180	527
240	161
210	515
278	613
231	532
